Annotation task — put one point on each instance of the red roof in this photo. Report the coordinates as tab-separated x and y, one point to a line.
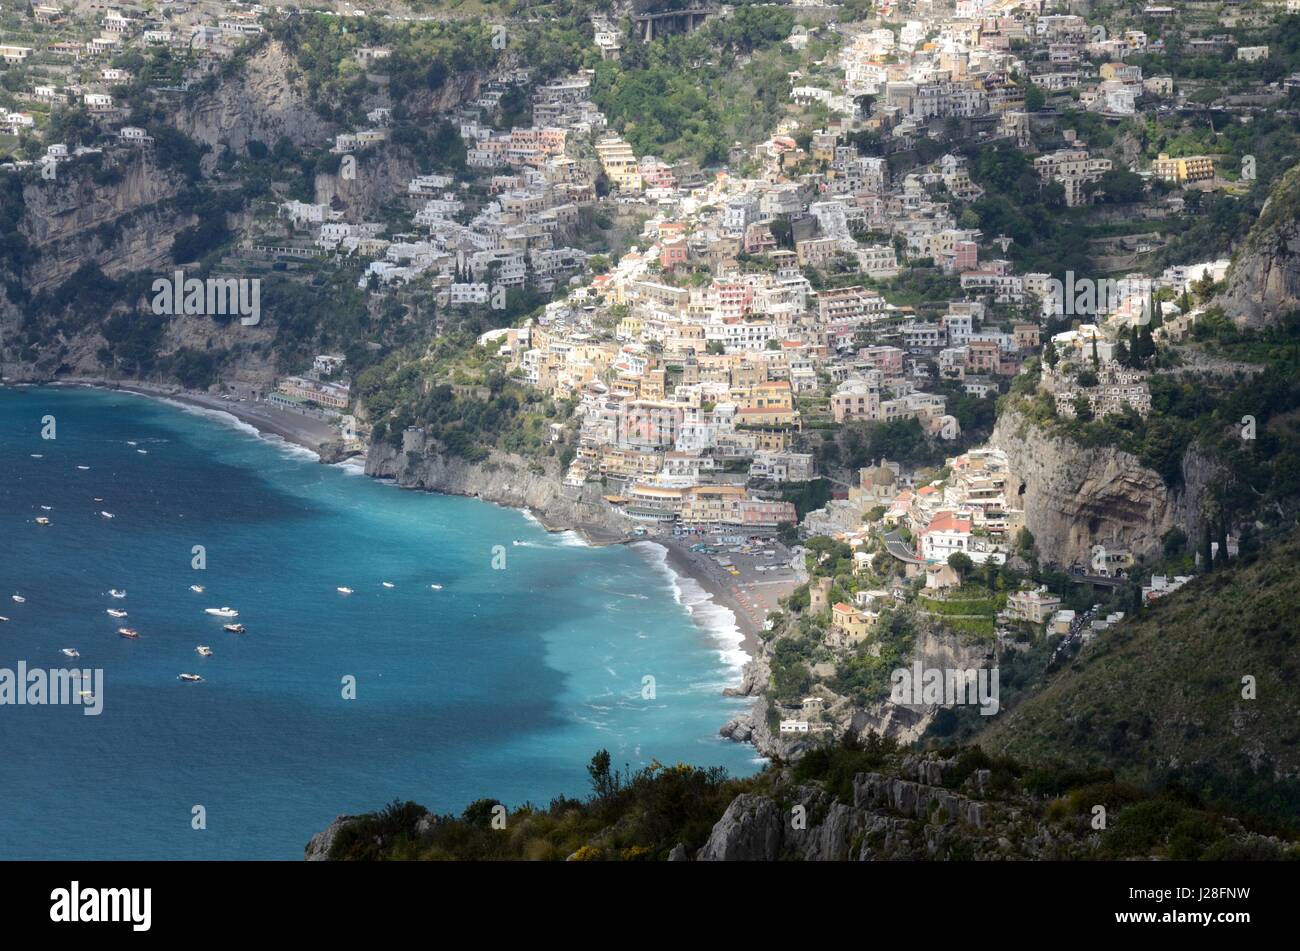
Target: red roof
948	522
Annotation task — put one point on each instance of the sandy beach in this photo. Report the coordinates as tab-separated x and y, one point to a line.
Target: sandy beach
305	431
748	599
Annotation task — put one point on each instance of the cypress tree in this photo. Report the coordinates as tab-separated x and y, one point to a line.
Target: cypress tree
1206	556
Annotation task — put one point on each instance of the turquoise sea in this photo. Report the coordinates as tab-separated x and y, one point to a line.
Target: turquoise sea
501	684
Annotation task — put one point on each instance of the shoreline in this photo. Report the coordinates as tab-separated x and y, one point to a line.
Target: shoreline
304	431
680	560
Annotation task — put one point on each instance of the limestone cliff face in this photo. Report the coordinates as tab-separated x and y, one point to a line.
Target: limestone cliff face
505	479
73	220
265	100
882	823
1264	281
380	174
1075	497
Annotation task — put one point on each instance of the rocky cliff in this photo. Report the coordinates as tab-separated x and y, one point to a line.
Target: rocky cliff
890	818
264	100
1075	496
1264	280
111	213
505	479
378	176
934	648
856	803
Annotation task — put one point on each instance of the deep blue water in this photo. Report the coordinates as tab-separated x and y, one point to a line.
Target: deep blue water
502	684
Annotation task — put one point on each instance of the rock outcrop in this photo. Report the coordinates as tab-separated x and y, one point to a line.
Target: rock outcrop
1075	497
890	818
934	647
113	213
503	478
256	102
1264	281
318	848
751	830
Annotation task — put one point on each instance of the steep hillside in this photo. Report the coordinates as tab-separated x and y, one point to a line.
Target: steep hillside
1161	698
1075	496
1264	283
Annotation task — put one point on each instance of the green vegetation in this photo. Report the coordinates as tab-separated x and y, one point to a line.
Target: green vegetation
402	391
637	816
1042	811
1162	699
690	96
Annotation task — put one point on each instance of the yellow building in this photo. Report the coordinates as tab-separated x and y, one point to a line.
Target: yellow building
710	505
1193	168
849	625
619	163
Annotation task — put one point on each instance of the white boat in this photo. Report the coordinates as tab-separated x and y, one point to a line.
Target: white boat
436	587
129	633
191	678
143	452
233	628
3	619
203	650
114	612
19	599
108	515
387	584
196	588
37	455
83	468
130	442
221	612
342	590
70	652
117	592
42	520
45	507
